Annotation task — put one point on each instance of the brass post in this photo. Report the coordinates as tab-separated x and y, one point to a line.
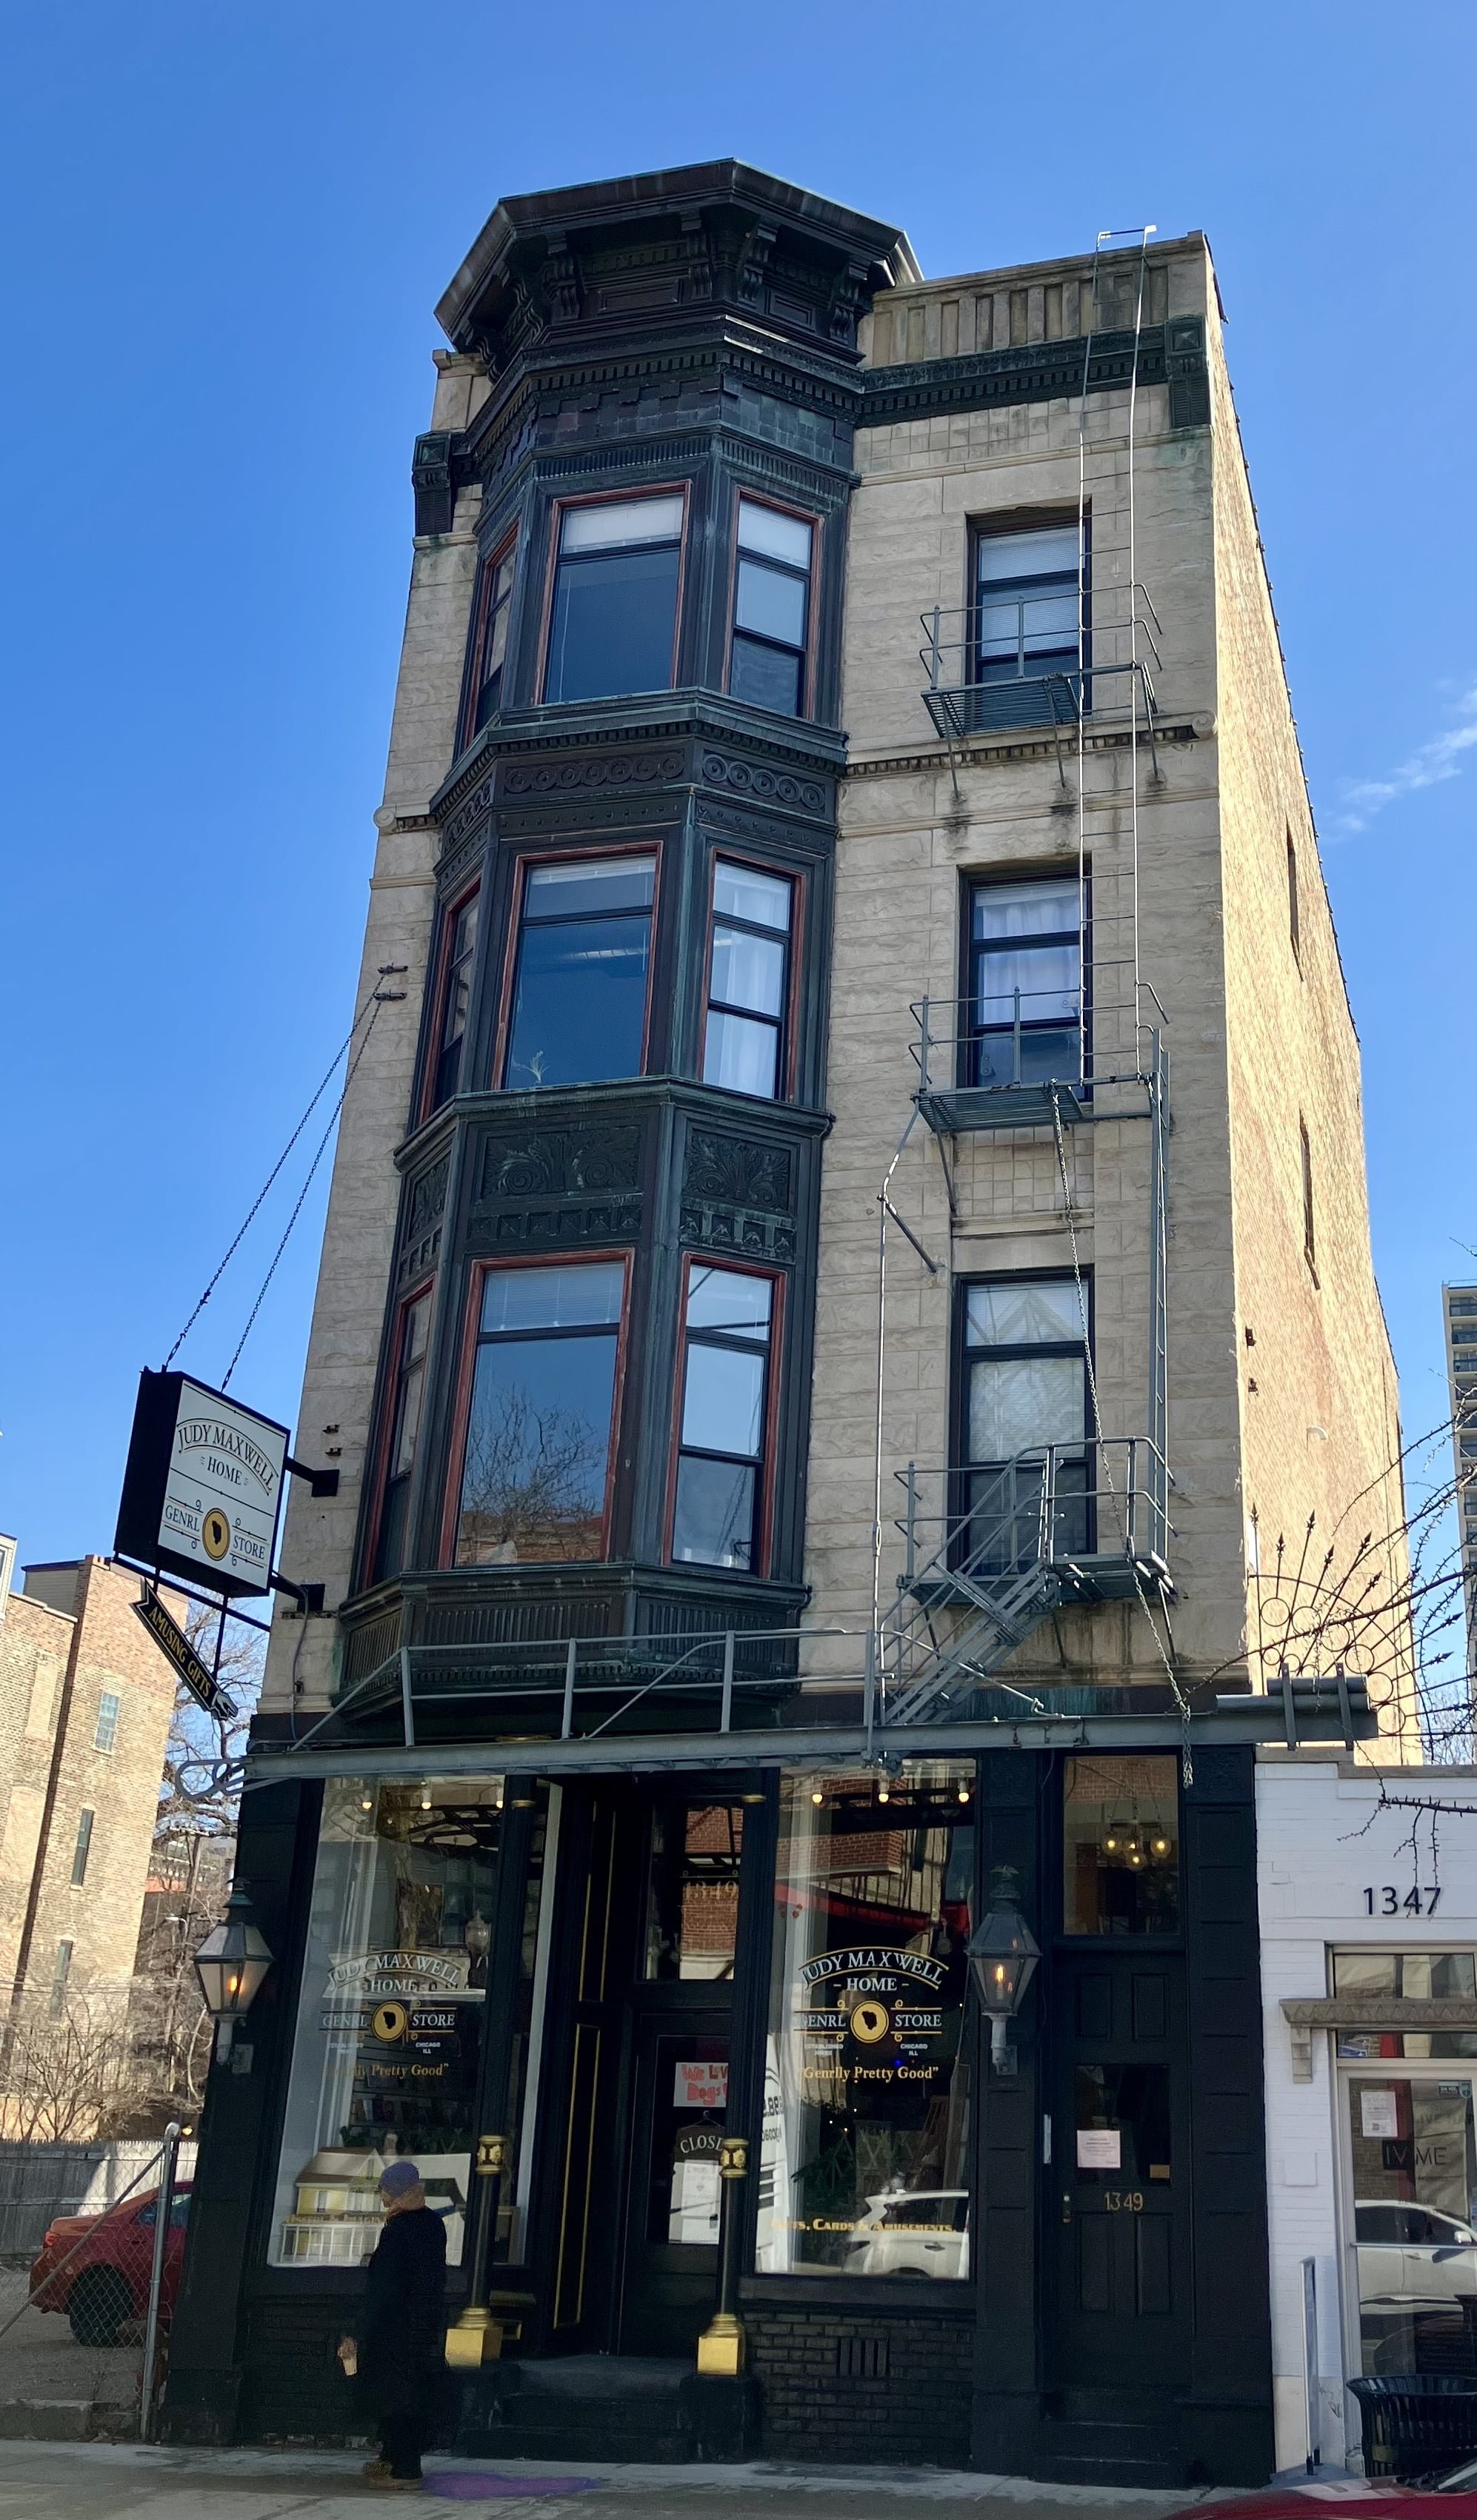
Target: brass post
476	2336
720	2347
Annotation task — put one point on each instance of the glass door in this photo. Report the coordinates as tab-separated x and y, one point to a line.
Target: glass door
1412	2206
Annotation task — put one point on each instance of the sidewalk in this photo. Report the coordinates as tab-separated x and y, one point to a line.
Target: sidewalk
97	2481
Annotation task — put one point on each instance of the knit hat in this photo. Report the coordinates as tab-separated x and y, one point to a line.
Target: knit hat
399	2178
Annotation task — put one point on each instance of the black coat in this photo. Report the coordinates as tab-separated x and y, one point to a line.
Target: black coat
403	2331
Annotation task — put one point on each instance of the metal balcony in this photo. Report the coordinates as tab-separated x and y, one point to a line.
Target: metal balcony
1008	665
1017	1058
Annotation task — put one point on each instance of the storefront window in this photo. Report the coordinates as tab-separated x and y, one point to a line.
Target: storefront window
391	2016
1413	2160
864	2159
1120	1846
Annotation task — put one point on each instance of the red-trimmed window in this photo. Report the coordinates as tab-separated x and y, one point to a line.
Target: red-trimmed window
771	608
744	1043
454	1001
406	1398
579	986
723	1428
489	638
613	615
540	1415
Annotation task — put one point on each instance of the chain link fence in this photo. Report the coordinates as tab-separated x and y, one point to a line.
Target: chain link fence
87	2287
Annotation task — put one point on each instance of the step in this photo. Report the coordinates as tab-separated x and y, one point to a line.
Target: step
585	2405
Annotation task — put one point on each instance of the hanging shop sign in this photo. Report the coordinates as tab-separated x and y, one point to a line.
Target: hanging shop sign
175	1645
203	1487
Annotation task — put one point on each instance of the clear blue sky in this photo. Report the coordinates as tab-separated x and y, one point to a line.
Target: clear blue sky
226	226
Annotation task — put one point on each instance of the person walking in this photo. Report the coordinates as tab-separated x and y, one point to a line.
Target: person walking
401	2352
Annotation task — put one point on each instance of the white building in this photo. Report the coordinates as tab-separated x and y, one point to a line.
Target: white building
1368	1889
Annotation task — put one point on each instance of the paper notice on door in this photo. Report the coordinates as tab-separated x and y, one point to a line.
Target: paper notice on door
701	2087
1099	2148
1376	2113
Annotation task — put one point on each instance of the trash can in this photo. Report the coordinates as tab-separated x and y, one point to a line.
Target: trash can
1416	2420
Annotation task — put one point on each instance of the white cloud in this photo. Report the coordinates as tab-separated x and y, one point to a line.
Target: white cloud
1361	799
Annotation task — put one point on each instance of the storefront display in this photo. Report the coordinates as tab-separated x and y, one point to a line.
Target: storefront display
863	2165
392	2011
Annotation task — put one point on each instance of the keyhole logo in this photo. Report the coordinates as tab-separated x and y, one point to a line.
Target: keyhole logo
215	1533
871	2021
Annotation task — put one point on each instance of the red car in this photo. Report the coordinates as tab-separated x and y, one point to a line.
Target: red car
97	2266
1447	2496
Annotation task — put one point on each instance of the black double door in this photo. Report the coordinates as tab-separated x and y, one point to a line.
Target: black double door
678	2068
1118	2181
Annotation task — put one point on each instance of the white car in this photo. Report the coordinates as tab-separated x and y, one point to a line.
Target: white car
923	2231
1413	2253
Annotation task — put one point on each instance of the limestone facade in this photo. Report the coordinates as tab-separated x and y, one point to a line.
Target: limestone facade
1282	1390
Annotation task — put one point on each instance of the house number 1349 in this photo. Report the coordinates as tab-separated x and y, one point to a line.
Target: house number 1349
1386	1902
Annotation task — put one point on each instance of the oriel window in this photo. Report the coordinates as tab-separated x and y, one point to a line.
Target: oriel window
613	624
771	610
535	1466
491	649
725	1386
1024	1010
455	1002
747	980
410	1390
579	988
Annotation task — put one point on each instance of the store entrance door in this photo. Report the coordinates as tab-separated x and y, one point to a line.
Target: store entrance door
678	2073
1119	2180
1411	2162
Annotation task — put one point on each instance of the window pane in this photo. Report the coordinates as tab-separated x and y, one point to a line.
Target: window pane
1008	910
723	1402
729	1300
1020	1405
772	602
1015	1312
865	2151
714	1523
1047	552
497	642
744	893
553	1298
613	620
770	678
580	1009
1121	1838
765	529
538	1449
692	1891
747	970
412	1389
417	1328
742	1055
620	520
578	888
1046	978
1043	624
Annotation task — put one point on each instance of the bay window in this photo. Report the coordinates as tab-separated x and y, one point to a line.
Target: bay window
771	608
408	1396
614	618
453	1003
537	1456
728	1325
489	646
579	1010
744	1043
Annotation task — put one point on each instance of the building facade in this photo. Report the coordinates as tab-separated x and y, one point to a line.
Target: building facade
85	1703
847	1229
1368	1951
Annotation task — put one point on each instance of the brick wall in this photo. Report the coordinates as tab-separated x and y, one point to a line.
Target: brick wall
916	2408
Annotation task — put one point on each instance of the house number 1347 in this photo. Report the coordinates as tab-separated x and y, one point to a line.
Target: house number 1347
1386	1902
